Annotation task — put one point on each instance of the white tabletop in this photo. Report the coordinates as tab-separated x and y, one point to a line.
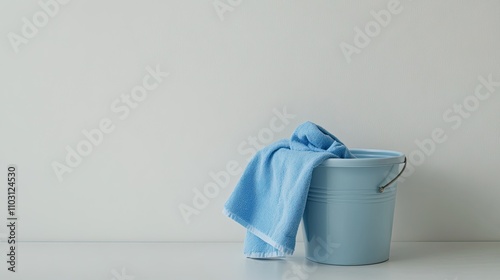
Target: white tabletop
219	261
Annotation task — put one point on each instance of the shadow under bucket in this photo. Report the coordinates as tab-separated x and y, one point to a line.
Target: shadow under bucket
350	208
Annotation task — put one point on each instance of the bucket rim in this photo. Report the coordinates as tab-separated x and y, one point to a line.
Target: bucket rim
366	158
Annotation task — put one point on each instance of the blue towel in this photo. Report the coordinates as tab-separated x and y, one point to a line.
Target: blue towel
270	197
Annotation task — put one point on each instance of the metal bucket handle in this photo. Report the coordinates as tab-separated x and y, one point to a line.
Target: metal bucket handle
381	189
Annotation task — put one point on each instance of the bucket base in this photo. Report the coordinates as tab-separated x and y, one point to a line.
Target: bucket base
349	264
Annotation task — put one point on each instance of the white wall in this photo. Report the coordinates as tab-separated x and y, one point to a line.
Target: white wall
225	79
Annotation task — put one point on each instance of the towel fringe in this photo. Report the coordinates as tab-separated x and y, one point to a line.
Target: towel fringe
283	251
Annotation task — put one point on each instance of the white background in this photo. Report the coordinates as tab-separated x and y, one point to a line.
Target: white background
226	78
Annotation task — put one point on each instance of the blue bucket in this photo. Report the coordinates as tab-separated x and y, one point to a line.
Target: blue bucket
350	208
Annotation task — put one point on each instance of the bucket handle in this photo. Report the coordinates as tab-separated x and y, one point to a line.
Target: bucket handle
381	189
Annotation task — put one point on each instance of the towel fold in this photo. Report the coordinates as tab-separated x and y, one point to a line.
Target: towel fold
270	197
